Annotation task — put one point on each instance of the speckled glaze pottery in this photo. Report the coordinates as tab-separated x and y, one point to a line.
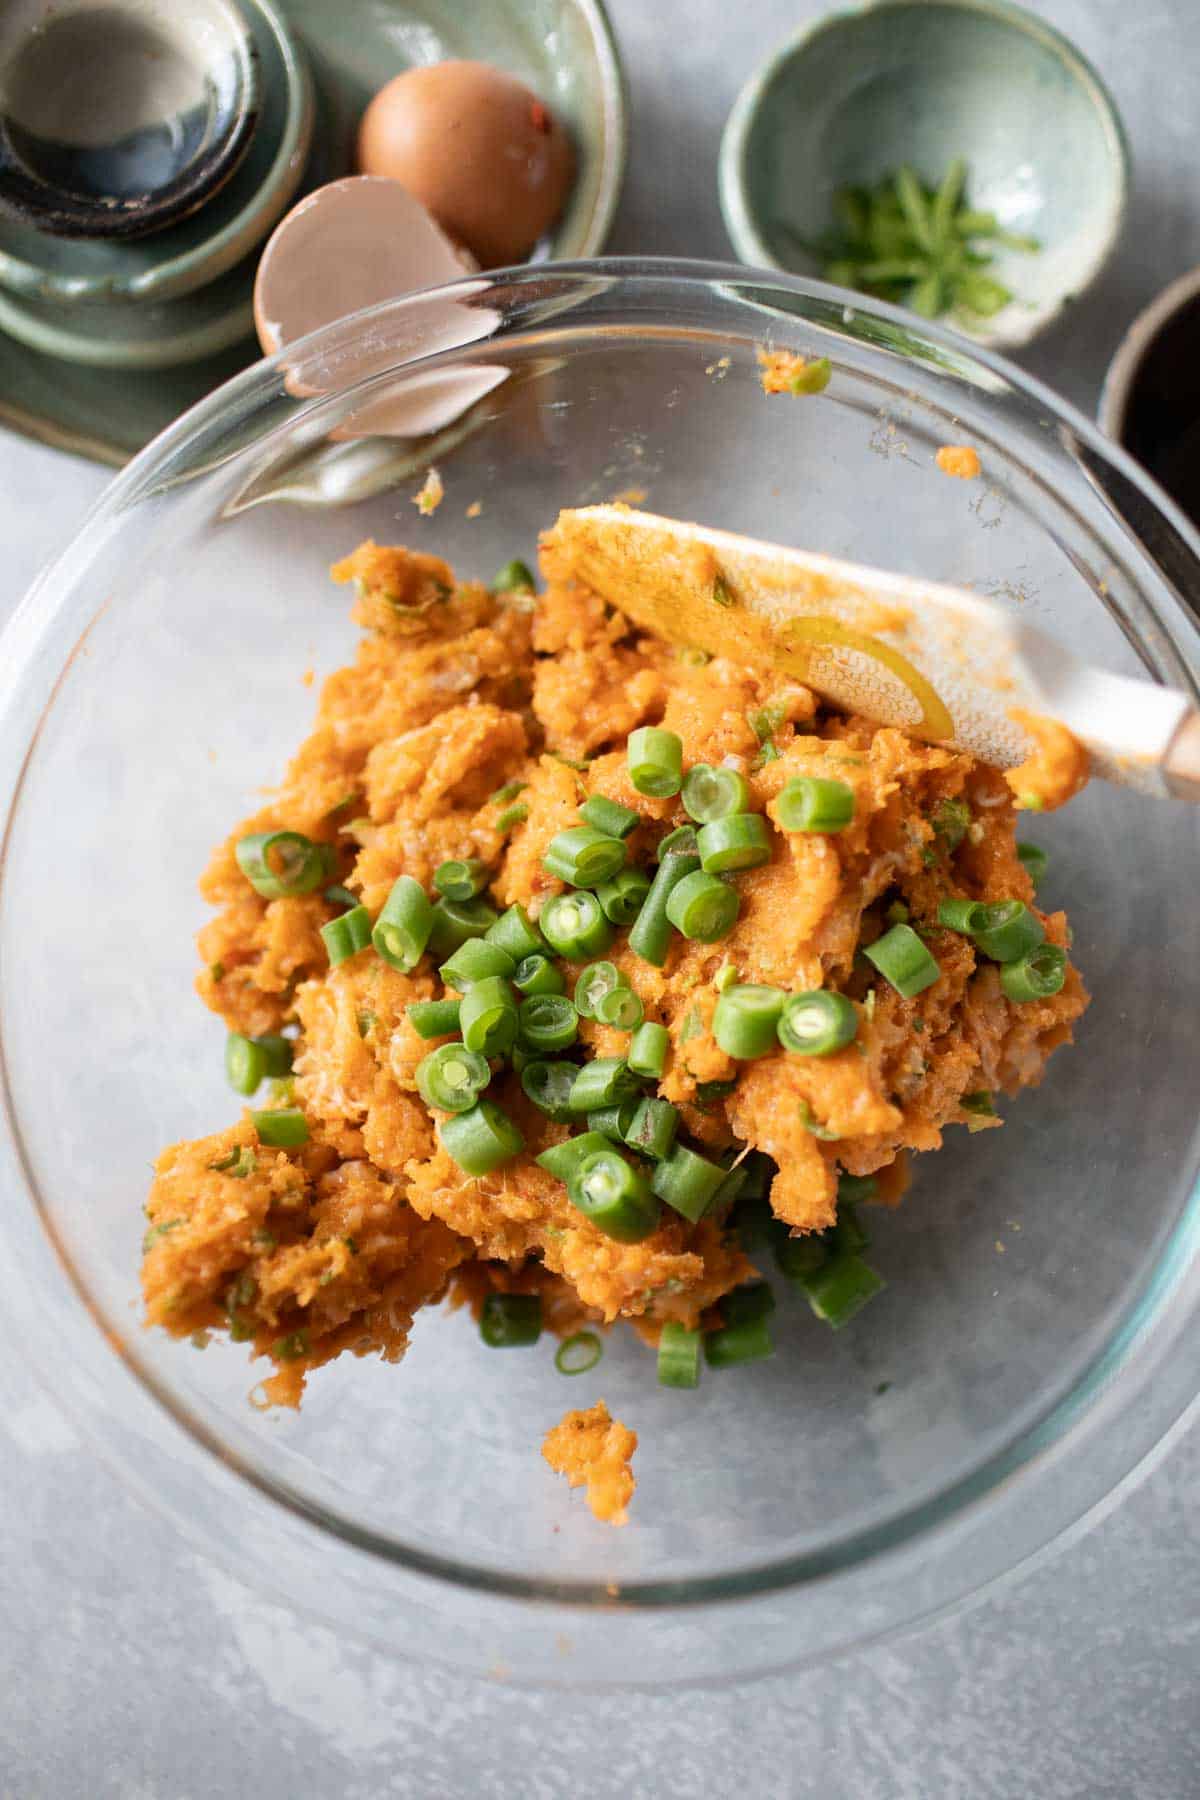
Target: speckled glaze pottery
205	246
118	117
922	81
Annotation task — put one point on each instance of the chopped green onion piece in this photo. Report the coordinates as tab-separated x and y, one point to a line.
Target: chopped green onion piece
650	936
848	1232
575	925
277	1054
702	907
291	1347
536	974
488	1016
612	1122
511	817
511	1321
245	1064
240	1162
434	1018
476	960
598	979
583	856
652	1128
562	1160
548	1085
609	816
647	1054
948	199
725	977
765	722
734	1344
730	1189
403	928
708	1091
959	915
621	1009
1036	861
678	1356
615	1196
623	897
508	792
461	880
739	841
346	935
547	1022
814	803
280	864
746	1019
285	1129
710	793
817	1023
687	1182
515	932
602	1082
841	1287
515	577
578	1353
482	1139
800	1257
902	959
340	896
452	1077
454	921
742	1304
813	378
978	1106
655	760
854	1189
951	820
1007	930
680	842
1037	976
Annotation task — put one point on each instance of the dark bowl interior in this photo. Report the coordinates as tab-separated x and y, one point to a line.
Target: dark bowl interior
110	129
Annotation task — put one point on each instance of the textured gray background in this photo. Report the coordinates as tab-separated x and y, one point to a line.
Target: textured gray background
131	1667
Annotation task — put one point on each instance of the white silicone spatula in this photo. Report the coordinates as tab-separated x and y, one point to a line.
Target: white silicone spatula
935	659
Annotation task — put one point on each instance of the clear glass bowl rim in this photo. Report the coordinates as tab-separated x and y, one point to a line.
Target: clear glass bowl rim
1155	1322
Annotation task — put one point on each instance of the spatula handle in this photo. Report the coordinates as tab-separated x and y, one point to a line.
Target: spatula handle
1181	764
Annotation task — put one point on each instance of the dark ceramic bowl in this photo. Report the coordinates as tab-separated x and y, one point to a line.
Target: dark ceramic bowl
117	119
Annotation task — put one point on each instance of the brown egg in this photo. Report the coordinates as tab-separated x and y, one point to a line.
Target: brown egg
482	153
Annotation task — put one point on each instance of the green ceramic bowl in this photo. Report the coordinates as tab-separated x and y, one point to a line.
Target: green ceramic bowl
921	81
39	267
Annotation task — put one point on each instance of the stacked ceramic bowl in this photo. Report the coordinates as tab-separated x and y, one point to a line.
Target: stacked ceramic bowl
146	151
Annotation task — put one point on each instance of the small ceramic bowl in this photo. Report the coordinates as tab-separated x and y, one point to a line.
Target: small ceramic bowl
1151	397
203	247
118	117
852	97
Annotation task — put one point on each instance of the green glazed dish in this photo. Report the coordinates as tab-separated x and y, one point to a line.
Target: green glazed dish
564	49
39	267
861	92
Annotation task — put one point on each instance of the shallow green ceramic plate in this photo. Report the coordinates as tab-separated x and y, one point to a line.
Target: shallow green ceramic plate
563	48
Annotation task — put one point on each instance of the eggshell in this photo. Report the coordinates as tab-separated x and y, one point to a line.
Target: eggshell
478	148
350	244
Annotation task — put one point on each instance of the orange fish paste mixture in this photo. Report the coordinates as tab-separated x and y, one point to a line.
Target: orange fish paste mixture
472	724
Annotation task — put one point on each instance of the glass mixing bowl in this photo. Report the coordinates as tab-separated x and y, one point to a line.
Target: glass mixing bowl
1037	1338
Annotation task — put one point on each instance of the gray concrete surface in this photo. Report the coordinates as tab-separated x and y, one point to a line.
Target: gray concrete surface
131	1668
